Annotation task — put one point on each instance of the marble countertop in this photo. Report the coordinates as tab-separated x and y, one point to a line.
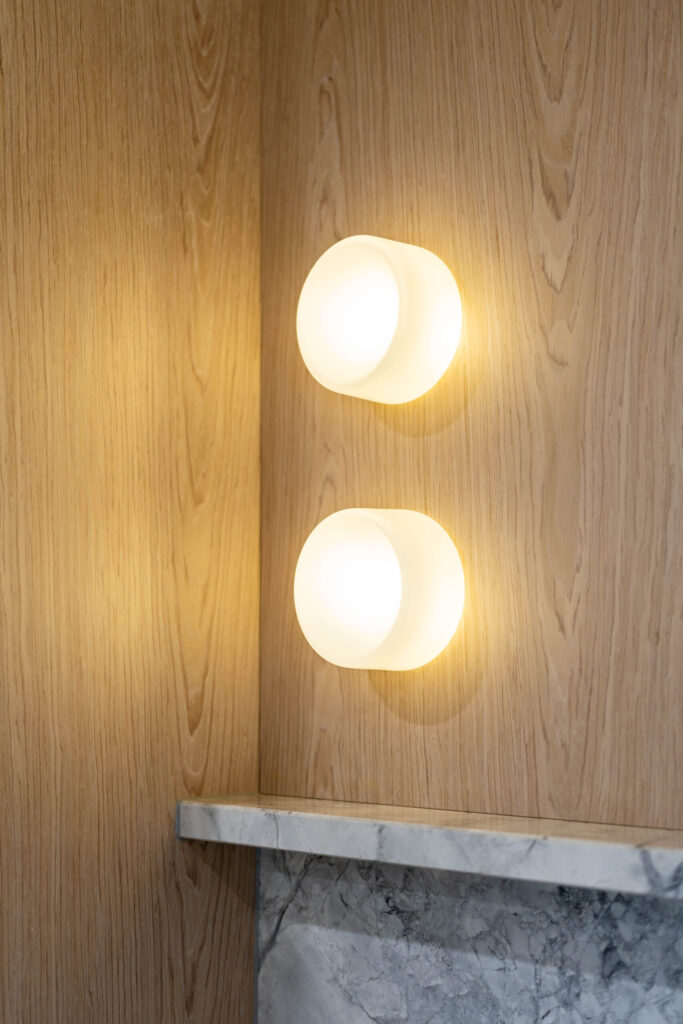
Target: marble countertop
612	857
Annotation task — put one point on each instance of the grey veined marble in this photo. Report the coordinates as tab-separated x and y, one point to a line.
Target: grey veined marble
622	859
349	942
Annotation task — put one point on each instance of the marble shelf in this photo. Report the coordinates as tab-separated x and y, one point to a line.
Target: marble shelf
612	857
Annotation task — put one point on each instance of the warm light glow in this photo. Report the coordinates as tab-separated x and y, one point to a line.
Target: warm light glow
378	588
378	319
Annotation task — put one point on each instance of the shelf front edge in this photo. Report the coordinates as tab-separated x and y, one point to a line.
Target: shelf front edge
617	858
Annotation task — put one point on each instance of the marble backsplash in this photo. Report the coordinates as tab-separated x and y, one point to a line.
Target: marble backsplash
352	942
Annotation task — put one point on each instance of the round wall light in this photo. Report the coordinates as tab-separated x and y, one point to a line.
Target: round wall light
378	319
379	589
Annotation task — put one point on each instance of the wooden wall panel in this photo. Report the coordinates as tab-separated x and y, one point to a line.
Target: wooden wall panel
536	147
129	404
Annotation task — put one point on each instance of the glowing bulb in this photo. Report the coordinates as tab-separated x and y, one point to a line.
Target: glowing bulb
378	319
378	588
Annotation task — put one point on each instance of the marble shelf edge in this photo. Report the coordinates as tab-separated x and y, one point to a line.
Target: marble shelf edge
616	858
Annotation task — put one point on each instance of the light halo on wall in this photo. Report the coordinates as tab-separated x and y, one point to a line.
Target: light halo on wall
379	589
378	319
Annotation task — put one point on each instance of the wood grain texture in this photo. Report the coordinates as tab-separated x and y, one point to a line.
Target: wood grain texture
536	147
129	404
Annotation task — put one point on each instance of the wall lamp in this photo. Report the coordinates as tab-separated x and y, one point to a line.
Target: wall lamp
379	589
378	319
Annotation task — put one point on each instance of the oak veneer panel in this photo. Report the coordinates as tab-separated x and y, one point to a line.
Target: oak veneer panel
536	147
129	362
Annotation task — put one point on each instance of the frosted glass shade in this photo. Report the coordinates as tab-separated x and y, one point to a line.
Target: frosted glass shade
378	589
378	319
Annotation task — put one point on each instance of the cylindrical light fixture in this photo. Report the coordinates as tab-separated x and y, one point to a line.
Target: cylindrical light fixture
379	589
378	319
